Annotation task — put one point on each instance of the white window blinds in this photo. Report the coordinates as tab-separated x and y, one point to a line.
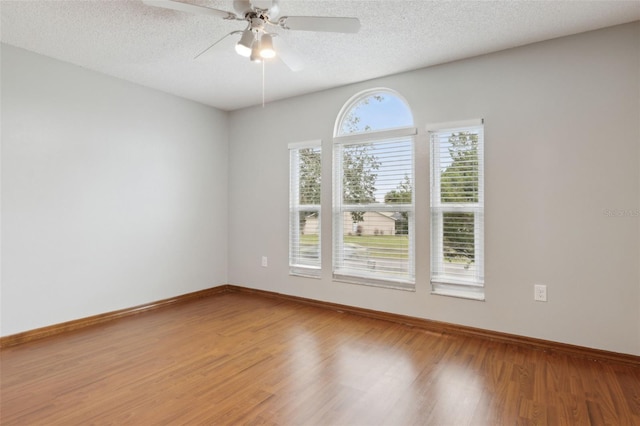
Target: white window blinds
374	208
304	208
457	209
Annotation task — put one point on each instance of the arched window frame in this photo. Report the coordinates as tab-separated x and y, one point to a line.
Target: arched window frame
372	275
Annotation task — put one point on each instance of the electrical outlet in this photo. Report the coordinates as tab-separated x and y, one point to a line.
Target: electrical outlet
540	292
265	262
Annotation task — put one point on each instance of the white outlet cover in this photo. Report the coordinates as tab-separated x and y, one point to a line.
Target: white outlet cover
540	292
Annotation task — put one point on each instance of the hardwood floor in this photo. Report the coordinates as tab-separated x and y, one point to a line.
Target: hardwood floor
246	359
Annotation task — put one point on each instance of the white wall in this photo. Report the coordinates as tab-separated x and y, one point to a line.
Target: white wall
113	195
562	145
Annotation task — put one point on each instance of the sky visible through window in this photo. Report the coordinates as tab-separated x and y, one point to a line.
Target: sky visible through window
379	111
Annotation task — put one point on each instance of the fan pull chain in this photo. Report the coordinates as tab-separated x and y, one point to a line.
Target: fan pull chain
263	65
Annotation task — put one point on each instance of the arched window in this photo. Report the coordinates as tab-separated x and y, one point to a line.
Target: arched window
373	110
373	215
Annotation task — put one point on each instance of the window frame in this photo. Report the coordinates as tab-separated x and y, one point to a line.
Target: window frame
340	272
295	266
441	284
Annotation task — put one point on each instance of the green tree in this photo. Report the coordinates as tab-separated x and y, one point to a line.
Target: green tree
459	181
359	164
310	170
310	176
359	179
459	184
401	195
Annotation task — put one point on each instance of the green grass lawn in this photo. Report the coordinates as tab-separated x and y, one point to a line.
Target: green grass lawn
380	246
309	240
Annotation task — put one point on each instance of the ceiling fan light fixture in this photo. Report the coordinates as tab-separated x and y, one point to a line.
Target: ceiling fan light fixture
255	52
243	47
266	47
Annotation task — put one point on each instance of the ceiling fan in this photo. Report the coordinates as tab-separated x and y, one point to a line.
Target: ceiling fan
256	41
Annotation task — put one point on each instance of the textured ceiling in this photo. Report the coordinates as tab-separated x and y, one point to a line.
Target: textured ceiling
155	47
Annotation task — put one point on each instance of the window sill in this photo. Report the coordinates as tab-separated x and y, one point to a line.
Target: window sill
371	282
305	272
460	293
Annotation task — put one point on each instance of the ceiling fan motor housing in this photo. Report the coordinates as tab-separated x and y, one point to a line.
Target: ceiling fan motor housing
257	24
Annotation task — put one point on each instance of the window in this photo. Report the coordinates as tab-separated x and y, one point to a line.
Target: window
304	208
373	211
457	209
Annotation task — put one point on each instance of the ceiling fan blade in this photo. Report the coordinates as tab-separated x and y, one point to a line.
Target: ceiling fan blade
216	43
287	55
190	8
320	23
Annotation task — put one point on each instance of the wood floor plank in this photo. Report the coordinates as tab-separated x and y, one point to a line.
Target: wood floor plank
237	358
